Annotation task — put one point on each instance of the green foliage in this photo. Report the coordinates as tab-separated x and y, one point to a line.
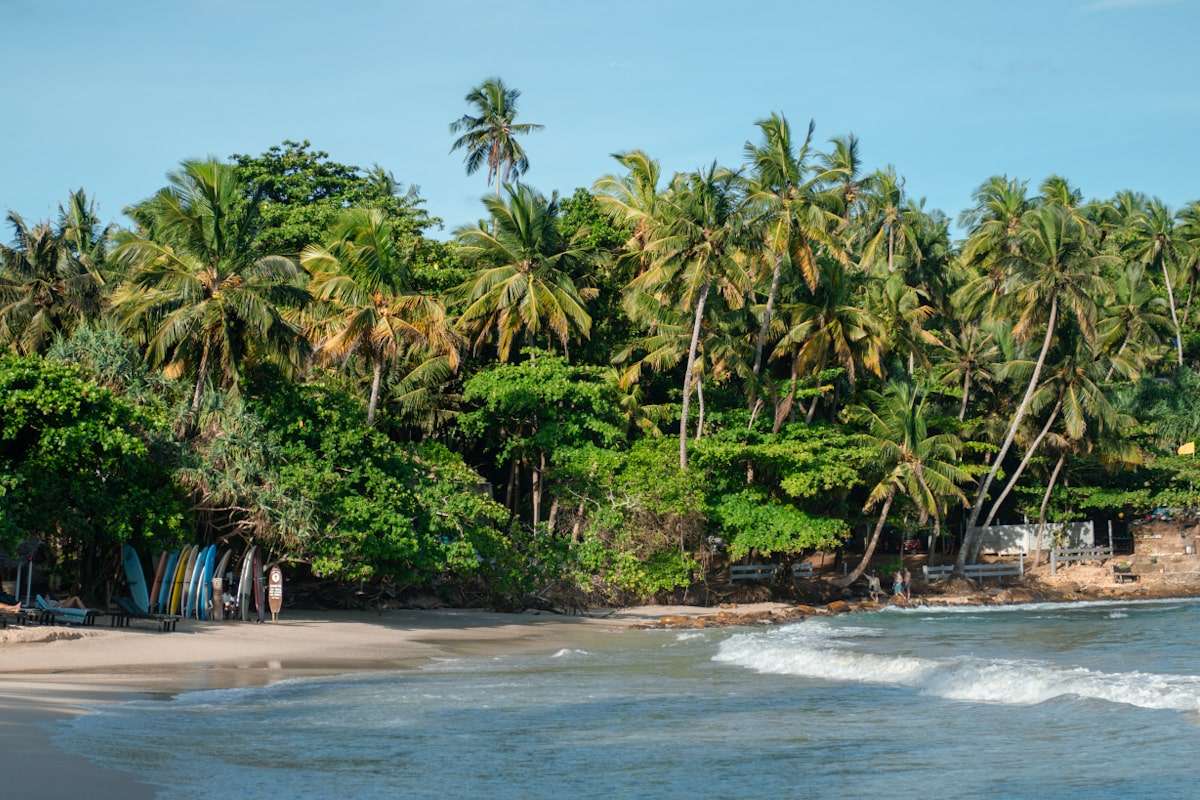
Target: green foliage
755	524
300	192
79	464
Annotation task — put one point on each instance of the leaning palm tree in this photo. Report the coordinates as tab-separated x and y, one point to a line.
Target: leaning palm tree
914	460
360	276
489	137
195	294
44	289
787	191
523	284
1054	267
968	358
698	243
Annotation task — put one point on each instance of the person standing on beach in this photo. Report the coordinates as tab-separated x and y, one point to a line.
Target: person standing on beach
898	583
907	576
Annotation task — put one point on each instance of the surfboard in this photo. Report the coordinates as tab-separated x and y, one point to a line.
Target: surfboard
244	586
194	583
136	578
189	581
177	581
218	606
168	583
260	600
158	577
206	583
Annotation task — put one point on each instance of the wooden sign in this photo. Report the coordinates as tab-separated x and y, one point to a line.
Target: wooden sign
275	592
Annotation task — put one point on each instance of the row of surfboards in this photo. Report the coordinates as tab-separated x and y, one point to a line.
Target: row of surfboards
183	583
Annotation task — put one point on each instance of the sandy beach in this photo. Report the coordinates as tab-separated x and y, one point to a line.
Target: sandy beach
49	672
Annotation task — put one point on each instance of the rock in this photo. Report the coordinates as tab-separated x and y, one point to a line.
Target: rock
838	607
807	611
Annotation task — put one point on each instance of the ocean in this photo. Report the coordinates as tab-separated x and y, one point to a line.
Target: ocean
1084	700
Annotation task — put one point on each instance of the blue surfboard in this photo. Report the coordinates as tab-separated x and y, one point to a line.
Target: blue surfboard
136	579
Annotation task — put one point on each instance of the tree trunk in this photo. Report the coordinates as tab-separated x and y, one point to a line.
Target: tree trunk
1037	558
962	408
687	376
754	409
785	405
1174	316
857	572
1113	365
891	248
981	495
577	523
700	405
201	378
812	410
514	478
373	403
764	327
536	488
911	363
1012	481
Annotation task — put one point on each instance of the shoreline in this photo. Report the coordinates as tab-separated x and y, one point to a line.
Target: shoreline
46	680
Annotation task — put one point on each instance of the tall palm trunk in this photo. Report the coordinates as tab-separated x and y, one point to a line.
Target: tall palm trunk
857	572
1113	366
376	380
1025	462
700	404
687	376
962	407
891	248
784	407
1037	545
536	488
1174	316
201	378
981	495
764	327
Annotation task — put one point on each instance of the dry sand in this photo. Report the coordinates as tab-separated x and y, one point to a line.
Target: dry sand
47	673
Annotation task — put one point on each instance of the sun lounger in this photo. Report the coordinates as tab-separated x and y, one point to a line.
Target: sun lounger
130	611
75	616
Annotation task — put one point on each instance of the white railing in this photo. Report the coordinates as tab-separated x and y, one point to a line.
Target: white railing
1070	555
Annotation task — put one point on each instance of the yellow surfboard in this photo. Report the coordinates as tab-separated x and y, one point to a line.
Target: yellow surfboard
189	556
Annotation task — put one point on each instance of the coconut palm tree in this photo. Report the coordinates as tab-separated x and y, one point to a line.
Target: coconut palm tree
1188	227
633	200
1154	240
523	283
1055	266
44	289
914	460
85	237
1133	322
845	162
904	312
968	358
890	221
195	293
787	191
699	242
489	137
361	278
833	329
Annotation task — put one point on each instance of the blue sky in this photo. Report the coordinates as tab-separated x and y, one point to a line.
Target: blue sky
110	96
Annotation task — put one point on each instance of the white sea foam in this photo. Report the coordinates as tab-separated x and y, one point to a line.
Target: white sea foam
1054	606
689	635
1117	615
568	651
815	649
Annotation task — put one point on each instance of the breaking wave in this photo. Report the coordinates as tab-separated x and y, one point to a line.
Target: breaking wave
816	649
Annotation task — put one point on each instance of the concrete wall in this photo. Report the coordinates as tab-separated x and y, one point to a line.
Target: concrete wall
1009	540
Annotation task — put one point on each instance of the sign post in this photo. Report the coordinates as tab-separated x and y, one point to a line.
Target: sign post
275	592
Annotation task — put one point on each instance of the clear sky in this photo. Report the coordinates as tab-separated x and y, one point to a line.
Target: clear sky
111	95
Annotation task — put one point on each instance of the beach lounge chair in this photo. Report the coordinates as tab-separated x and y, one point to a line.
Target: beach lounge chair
129	611
52	613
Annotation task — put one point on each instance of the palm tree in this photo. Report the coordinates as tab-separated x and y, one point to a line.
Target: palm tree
891	222
1054	266
44	289
523	283
796	222
1188	220
633	200
1154	240
844	162
698	242
914	461
195	292
361	277
831	330
968	358
86	239
903	311
1132	322
490	136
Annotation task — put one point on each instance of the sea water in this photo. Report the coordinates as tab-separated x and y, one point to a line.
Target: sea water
1087	700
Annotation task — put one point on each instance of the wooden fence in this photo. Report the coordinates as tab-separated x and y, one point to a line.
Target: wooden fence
1071	555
